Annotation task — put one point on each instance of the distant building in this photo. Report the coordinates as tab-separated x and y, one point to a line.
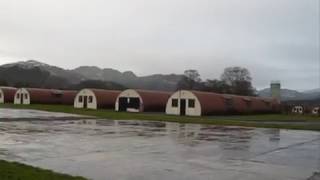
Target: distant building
132	100
275	88
96	98
44	96
298	109
197	103
301	106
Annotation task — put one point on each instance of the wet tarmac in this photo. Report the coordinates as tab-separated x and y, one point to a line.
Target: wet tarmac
26	114
143	150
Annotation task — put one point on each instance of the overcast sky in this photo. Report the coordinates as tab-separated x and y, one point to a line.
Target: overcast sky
274	39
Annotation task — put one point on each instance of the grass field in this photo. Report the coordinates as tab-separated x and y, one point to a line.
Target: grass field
17	171
302	122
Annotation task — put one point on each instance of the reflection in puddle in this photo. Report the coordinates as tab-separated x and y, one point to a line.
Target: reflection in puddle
159	150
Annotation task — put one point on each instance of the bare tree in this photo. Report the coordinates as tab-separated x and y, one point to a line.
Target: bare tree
191	80
234	74
239	79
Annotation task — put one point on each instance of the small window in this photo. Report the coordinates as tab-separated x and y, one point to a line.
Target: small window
80	99
26	96
18	96
90	99
191	103
174	103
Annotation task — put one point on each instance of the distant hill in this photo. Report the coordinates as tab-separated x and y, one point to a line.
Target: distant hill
287	94
37	74
55	71
129	79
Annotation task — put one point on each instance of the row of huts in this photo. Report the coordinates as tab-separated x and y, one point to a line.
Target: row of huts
192	103
182	102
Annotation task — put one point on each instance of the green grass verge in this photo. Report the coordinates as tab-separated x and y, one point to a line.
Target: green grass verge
302	122
17	171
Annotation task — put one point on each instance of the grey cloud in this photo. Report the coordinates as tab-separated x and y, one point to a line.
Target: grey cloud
274	39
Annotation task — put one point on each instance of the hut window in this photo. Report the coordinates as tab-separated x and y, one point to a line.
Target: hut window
191	103
18	96
174	103
80	99
90	99
26	96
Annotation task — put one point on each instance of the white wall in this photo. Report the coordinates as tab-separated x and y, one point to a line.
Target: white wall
85	92
1	96
298	109
129	93
22	94
196	111
315	110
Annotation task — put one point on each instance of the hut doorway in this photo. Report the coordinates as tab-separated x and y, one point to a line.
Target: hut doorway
21	98
134	103
85	102
123	103
182	107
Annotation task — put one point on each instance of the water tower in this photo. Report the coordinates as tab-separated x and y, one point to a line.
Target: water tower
275	89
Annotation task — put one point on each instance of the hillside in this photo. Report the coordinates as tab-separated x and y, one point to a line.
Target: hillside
37	74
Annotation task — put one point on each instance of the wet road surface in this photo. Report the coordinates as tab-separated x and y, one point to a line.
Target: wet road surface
142	150
25	114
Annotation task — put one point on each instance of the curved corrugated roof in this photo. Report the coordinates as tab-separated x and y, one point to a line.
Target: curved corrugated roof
214	103
51	96
105	98
8	93
153	100
211	103
68	97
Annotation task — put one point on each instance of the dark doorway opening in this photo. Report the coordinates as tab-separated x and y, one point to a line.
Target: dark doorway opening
21	98
182	107
85	102
125	103
134	103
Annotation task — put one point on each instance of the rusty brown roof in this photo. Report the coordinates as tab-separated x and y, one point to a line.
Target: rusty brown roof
211	103
214	103
51	96
154	101
8	93
105	98
68	97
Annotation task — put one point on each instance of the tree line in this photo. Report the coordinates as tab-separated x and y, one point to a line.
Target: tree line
234	80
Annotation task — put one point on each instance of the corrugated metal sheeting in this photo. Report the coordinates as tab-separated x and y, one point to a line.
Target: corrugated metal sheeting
194	103
7	94
44	96
207	103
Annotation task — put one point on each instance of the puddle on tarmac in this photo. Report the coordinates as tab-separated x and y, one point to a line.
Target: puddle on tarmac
138	150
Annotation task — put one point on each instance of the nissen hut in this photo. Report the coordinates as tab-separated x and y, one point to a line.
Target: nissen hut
7	94
44	96
96	98
132	100
196	103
